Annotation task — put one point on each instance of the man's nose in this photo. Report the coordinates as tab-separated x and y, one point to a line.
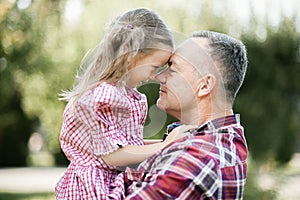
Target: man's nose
161	76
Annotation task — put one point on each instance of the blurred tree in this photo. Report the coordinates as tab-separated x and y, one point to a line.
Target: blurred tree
269	99
15	125
30	85
41	48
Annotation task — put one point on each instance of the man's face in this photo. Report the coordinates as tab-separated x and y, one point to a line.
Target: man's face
179	83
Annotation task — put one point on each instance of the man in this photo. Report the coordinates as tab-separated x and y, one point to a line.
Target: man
199	88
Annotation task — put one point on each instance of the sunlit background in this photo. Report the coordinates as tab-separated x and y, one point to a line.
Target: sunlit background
43	41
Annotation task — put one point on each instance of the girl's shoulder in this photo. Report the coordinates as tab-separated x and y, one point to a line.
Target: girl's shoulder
110	94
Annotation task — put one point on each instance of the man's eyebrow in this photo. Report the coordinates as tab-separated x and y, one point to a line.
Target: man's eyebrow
175	60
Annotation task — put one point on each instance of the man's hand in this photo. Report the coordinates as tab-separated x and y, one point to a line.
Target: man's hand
178	132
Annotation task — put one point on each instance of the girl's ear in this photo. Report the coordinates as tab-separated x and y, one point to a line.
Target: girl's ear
131	61
206	85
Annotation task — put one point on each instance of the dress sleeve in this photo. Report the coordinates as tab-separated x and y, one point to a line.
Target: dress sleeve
113	114
105	113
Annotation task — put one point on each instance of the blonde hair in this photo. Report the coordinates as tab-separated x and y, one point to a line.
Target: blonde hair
136	31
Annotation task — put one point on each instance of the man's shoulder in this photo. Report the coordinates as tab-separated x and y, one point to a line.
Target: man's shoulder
217	146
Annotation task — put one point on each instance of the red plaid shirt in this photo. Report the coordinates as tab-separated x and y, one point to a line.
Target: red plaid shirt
210	163
102	120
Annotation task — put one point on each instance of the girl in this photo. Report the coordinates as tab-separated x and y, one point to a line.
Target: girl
104	117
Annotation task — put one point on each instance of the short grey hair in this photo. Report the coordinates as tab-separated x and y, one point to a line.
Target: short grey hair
231	55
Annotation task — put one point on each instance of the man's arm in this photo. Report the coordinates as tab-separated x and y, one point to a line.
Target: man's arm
164	186
179	172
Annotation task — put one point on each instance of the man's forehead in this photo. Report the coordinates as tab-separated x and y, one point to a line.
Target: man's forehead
193	50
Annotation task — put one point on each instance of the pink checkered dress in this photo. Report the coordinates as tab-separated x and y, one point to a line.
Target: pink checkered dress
103	120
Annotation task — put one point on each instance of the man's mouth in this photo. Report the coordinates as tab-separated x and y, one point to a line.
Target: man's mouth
162	90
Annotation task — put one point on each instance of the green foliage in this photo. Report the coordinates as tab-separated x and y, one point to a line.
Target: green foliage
269	98
40	52
27	196
252	191
15	125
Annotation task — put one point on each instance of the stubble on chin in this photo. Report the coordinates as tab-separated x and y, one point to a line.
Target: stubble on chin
160	104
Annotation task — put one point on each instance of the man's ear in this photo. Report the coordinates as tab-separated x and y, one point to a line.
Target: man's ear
206	85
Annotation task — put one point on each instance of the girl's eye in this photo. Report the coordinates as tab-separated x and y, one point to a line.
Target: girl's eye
156	67
161	69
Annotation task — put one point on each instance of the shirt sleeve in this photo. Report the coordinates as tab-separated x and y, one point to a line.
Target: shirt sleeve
177	172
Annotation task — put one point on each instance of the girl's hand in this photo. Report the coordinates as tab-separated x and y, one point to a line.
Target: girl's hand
178	132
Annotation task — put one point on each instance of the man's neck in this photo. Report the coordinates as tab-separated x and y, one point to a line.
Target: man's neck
215	115
201	116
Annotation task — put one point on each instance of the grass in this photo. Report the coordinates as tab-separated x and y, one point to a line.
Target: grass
27	196
252	190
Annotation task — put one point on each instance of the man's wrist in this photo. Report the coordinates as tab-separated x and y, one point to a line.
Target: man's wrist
165	135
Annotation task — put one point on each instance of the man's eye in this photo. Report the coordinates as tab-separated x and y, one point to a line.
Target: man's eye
171	70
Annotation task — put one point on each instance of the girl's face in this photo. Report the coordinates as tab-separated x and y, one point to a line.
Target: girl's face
146	66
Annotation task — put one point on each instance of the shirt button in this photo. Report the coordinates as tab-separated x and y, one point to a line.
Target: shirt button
138	184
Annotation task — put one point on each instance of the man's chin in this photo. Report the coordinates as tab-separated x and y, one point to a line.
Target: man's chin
160	104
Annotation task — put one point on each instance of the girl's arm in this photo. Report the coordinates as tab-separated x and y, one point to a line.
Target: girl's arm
151	141
133	154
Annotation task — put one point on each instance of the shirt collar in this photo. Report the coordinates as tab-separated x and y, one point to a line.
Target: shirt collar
210	125
220	122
